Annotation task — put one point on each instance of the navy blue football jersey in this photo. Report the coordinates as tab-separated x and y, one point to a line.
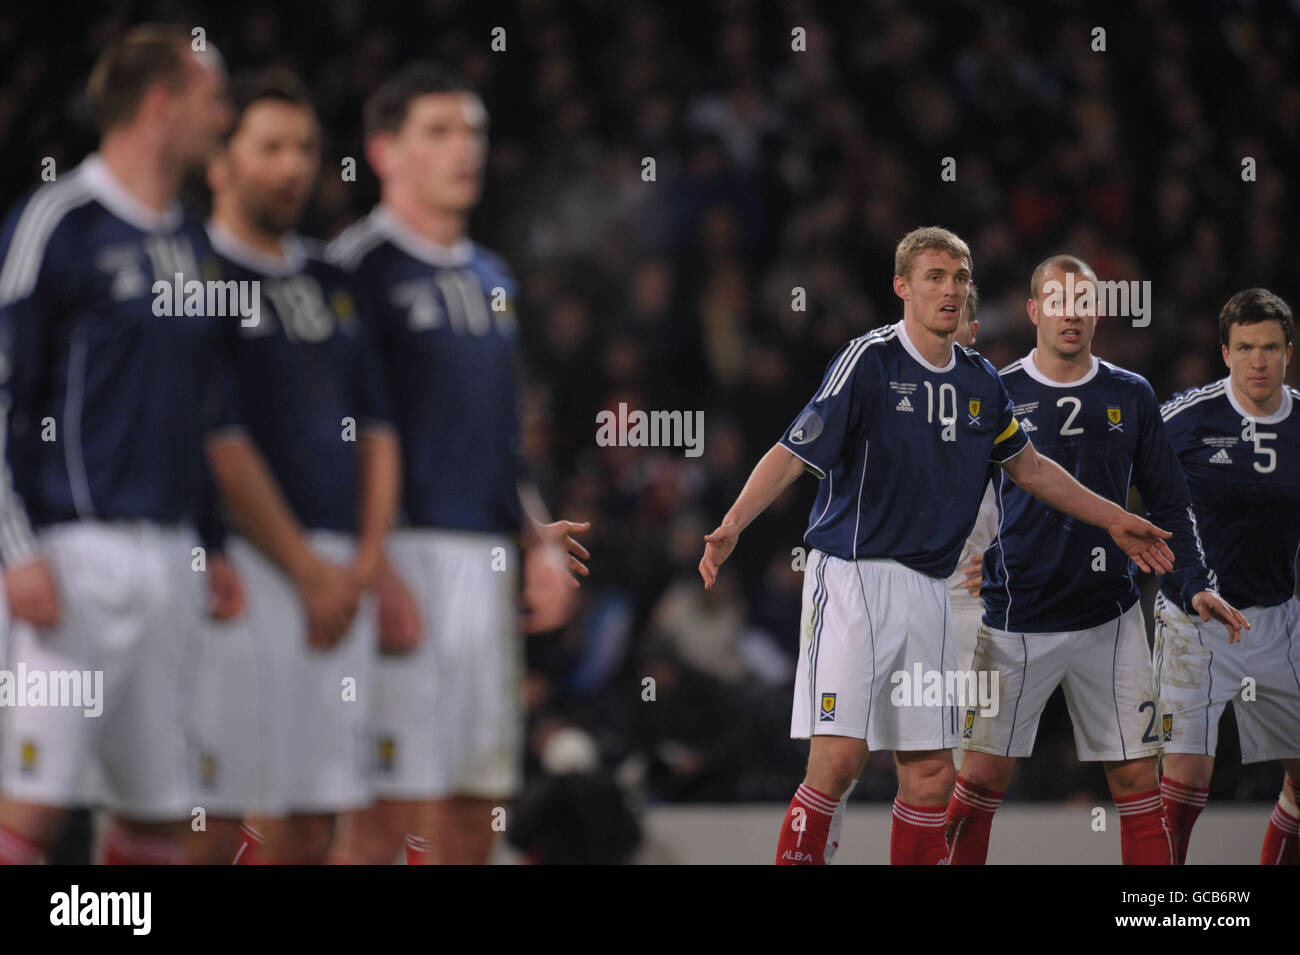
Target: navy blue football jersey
903	448
304	380
1047	572
444	327
1244	475
104	391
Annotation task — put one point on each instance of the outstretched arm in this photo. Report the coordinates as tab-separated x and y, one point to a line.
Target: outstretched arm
775	472
1053	485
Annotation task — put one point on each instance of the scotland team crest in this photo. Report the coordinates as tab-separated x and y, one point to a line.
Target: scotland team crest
969	724
1113	415
1167	728
828	708
973	406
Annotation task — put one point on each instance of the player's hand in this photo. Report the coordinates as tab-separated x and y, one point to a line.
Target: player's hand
974	574
32	595
1209	604
717	549
550	590
330	594
1144	543
225	591
399	618
558	534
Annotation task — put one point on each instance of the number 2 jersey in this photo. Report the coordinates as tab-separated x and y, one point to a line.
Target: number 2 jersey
1244	475
903	448
1047	572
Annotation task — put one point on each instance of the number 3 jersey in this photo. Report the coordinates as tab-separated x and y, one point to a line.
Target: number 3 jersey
903	448
1047	572
1244	475
444	326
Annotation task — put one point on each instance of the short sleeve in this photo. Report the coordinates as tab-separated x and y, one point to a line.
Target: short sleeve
1010	440
818	434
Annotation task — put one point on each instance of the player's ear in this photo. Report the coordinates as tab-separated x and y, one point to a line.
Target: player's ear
379	153
1224	349
974	331
900	287
1031	308
218	174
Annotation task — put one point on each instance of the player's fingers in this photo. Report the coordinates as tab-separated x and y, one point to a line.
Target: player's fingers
579	566
1159	558
576	548
1142	564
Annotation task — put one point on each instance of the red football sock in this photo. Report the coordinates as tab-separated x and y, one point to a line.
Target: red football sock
126	847
1182	804
17	850
1143	836
917	835
806	827
252	847
1282	841
969	820
417	850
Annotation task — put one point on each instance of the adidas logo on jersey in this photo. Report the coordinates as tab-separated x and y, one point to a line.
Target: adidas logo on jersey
904	405
1027	425
1221	457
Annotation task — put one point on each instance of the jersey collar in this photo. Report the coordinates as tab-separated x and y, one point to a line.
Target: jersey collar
117	199
241	253
1280	414
416	245
1030	369
901	327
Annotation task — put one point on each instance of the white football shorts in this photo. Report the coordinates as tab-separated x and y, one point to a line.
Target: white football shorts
1200	672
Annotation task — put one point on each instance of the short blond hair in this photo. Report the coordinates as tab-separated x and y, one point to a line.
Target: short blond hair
925	239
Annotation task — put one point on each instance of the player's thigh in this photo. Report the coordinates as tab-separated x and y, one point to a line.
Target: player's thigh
147	751
1111	693
1193	684
325	768
48	751
872	634
1015	674
447	715
1266	684
238	681
967	618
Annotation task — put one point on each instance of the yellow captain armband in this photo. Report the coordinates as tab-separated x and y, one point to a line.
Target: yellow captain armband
1012	428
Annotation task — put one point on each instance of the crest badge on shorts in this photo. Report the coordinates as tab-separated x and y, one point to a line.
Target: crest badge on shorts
828	708
1167	728
969	725
29	755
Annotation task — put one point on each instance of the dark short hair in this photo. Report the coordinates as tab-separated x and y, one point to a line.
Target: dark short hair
1251	306
278	84
387	107
133	64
